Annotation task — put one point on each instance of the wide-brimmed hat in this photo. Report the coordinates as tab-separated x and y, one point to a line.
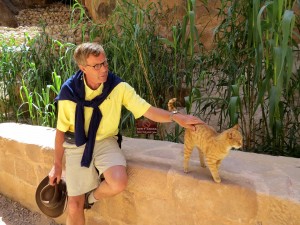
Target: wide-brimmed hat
51	199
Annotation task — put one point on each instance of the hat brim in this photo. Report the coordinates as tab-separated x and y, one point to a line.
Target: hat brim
55	211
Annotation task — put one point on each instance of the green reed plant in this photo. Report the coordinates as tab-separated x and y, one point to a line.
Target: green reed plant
39	107
185	62
10	57
31	69
278	57
39	102
253	64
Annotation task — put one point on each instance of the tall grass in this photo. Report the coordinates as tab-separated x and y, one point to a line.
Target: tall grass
31	75
254	61
9	80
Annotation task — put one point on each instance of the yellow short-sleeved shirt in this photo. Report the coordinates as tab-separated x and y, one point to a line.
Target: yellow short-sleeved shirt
122	94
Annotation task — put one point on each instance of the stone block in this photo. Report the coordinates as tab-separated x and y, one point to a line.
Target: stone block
97	220
7	164
124	207
255	189
14	148
26	171
3	144
26	195
151	210
48	155
274	210
148	178
34	153
41	171
9	186
120	207
239	204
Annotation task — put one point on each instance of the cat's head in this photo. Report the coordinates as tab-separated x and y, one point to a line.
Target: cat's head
234	137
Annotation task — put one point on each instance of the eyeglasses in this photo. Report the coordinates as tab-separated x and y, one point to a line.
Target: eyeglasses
99	66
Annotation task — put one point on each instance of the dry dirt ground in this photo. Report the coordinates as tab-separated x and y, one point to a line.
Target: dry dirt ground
13	213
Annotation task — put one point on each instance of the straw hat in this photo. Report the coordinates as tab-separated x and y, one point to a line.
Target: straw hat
52	200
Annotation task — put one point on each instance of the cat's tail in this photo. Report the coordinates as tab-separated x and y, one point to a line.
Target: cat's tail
171	106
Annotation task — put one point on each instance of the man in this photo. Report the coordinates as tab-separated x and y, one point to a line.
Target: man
96	150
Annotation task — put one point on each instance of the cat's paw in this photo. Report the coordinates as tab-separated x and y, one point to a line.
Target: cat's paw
186	170
203	165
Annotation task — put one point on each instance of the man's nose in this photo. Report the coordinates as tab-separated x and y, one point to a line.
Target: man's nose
104	68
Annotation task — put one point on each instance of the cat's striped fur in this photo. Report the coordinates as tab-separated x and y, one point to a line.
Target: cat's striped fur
211	145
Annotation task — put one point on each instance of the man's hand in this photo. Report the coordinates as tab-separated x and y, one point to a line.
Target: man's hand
187	121
163	116
56	171
55	175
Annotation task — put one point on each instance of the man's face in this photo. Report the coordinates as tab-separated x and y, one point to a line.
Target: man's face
96	70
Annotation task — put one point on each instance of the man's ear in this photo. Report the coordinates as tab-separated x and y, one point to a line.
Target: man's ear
81	67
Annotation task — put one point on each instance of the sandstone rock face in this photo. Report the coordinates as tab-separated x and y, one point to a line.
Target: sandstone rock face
7	17
54	19
10	8
100	9
206	19
10	5
30	3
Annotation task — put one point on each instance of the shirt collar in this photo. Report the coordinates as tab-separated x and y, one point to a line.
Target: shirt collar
90	93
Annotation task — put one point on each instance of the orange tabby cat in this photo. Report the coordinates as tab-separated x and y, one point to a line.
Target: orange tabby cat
210	144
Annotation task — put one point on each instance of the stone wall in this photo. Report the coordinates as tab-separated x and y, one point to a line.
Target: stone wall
255	189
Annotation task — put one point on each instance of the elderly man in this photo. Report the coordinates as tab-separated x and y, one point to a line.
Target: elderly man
89	109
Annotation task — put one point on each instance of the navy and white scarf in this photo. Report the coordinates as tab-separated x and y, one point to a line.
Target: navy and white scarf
74	90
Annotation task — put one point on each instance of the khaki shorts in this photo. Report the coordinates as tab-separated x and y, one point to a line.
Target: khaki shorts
81	180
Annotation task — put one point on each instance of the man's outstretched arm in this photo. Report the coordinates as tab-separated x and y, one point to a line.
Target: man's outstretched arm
164	116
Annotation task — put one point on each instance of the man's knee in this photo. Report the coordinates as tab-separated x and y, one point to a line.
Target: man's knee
117	179
75	204
119	185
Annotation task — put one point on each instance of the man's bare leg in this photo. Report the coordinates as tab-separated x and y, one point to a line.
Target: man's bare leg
75	214
114	183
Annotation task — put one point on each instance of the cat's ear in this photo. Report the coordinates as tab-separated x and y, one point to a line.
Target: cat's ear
236	127
230	135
